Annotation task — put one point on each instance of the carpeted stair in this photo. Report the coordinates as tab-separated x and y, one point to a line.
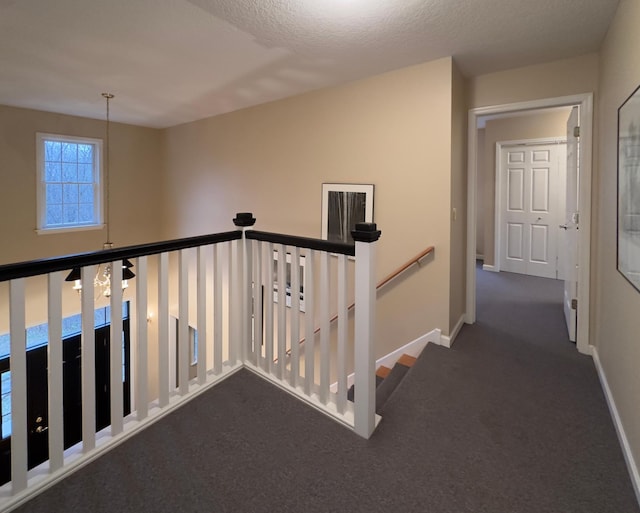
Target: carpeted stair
387	380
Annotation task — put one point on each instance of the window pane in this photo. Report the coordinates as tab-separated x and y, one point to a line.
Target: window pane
6	427
69	152
85	153
71	325
85	213
52	172
85	173
86	193
52	150
54	194
6	403
70	214
70	193
6	382
54	214
69	172
5	345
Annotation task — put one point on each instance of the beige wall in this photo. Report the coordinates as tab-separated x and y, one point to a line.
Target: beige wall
617	303
549	80
544	123
392	130
458	275
135	185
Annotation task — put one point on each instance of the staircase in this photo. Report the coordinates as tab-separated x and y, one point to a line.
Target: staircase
387	380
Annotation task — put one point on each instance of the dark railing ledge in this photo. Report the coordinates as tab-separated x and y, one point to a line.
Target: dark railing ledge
54	264
342	248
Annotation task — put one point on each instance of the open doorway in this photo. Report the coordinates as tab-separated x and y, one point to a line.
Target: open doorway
584	103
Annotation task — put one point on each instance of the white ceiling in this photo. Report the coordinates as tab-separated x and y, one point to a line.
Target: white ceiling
174	61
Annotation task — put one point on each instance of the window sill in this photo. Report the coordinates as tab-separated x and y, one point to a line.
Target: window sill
67	229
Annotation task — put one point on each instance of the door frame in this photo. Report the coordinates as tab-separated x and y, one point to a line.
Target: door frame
585	102
497	239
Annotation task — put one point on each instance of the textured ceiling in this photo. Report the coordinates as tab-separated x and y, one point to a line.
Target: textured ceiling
174	61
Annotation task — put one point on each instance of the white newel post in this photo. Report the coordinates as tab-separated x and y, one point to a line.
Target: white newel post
365	236
244	221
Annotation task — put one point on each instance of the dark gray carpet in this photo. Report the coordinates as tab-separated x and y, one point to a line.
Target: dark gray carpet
510	420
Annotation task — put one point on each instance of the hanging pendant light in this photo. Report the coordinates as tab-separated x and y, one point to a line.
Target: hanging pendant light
102	280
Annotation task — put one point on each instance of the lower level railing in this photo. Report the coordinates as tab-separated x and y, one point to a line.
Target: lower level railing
198	310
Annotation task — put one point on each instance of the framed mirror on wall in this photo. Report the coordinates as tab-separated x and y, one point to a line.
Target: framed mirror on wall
629	189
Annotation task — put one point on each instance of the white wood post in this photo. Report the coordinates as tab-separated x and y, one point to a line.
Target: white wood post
309	323
88	360
163	330
142	361
342	334
202	316
365	236
295	316
183	322
282	311
54	365
115	350
217	309
325	325
18	359
242	285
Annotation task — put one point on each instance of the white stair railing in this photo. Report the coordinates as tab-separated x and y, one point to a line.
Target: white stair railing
248	308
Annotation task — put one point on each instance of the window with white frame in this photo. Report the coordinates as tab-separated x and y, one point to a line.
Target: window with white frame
69	184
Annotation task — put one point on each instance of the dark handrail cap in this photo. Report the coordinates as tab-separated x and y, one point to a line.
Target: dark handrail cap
366	232
244	219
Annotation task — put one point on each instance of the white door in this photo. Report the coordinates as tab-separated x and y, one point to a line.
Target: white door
532	207
570	225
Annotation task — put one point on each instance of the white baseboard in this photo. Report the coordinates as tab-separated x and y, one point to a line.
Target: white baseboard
413	348
622	437
490	268
479	257
447	341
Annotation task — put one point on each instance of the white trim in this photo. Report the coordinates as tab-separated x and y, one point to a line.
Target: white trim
499	189
448	340
490	268
413	348
98	189
585	101
632	467
479	257
67	229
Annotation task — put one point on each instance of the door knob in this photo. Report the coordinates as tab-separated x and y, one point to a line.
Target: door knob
41	429
563	226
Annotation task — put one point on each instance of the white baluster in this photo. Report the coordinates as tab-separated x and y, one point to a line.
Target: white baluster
142	362
163	330
18	359
234	314
257	304
295	316
183	322
88	359
54	366
202	316
282	311
325	327
268	312
115	350
309	323
342	333
217	309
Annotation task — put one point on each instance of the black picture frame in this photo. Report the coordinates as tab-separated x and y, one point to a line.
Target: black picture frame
628	201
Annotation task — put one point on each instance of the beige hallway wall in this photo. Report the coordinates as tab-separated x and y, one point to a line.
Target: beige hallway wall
392	130
135	185
617	303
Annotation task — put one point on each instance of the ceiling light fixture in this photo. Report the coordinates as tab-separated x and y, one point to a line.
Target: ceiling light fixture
102	280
